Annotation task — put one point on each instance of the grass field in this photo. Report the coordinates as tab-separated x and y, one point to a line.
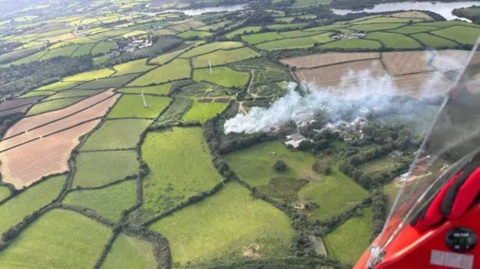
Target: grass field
261	38
463	35
303	3
299	33
91	75
333	194
58	86
79	239
434	41
162	89
100	168
216	229
222	76
164	58
295	43
395	41
389	20
37	93
241	31
176	111
204	111
137	66
108	202
255	164
414	29
353	44
64	51
130	252
222	57
378	166
25	203
52	105
348	241
175	70
132	106
375	27
109	136
169	154
103	47
83	50
211	47
103	83
286	26
4	193
194	34
72	93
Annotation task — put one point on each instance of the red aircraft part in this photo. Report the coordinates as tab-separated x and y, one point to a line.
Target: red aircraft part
428	249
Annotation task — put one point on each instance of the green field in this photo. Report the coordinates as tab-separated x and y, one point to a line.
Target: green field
222	76
463	35
194	34
4	193
203	111
175	70
176	111
286	26
303	3
216	229
99	168
222	57
104	83
299	33
68	239
394	41
389	20
103	47
164	58
130	252
72	93
180	165
36	93
211	47
52	105
58	86
109	137
162	89
375	27
434	41
333	194
91	75
261	38
353	44
414	29
241	31
108	202
295	43
138	66
83	50
32	199
348	241
64	51
378	166
132	106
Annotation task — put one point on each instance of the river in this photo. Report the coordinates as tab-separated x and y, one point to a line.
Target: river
442	8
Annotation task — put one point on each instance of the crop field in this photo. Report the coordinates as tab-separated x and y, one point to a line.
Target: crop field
194	34
387	19
36	94
103	83
83	50
210	233
203	111
91	75
463	35
434	41
242	31
348	242
255	164
108	202
295	43
46	238
175	70
407	62
299	33
52	105
96	169
379	166
64	51
190	24
348	44
130	252
376	27
132	106
330	58
222	57
103	47
162	89
108	136
72	94
414	29
164	58
412	85
211	47
222	76
286	26
169	183
30	200
261	38
395	41
138	66
332	75
58	86
17	103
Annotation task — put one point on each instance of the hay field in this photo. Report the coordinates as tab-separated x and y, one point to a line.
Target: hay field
407	62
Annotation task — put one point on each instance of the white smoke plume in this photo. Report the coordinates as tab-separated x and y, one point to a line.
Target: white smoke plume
354	86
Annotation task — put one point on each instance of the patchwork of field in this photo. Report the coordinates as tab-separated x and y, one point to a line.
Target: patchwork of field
52	139
169	182
208	232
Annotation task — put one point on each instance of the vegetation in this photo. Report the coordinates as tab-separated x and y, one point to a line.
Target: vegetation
132	106
162	89
223	227
222	57
222	76
295	43
130	252
210	47
52	105
175	70
203	111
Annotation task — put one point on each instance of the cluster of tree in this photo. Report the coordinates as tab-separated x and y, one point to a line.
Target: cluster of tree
161	247
392	137
9	120
472	13
379	207
245	142
26	77
280	166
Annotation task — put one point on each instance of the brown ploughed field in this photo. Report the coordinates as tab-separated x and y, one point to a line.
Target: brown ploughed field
330	58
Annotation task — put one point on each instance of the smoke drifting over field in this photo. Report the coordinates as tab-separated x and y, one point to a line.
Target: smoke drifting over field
356	90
